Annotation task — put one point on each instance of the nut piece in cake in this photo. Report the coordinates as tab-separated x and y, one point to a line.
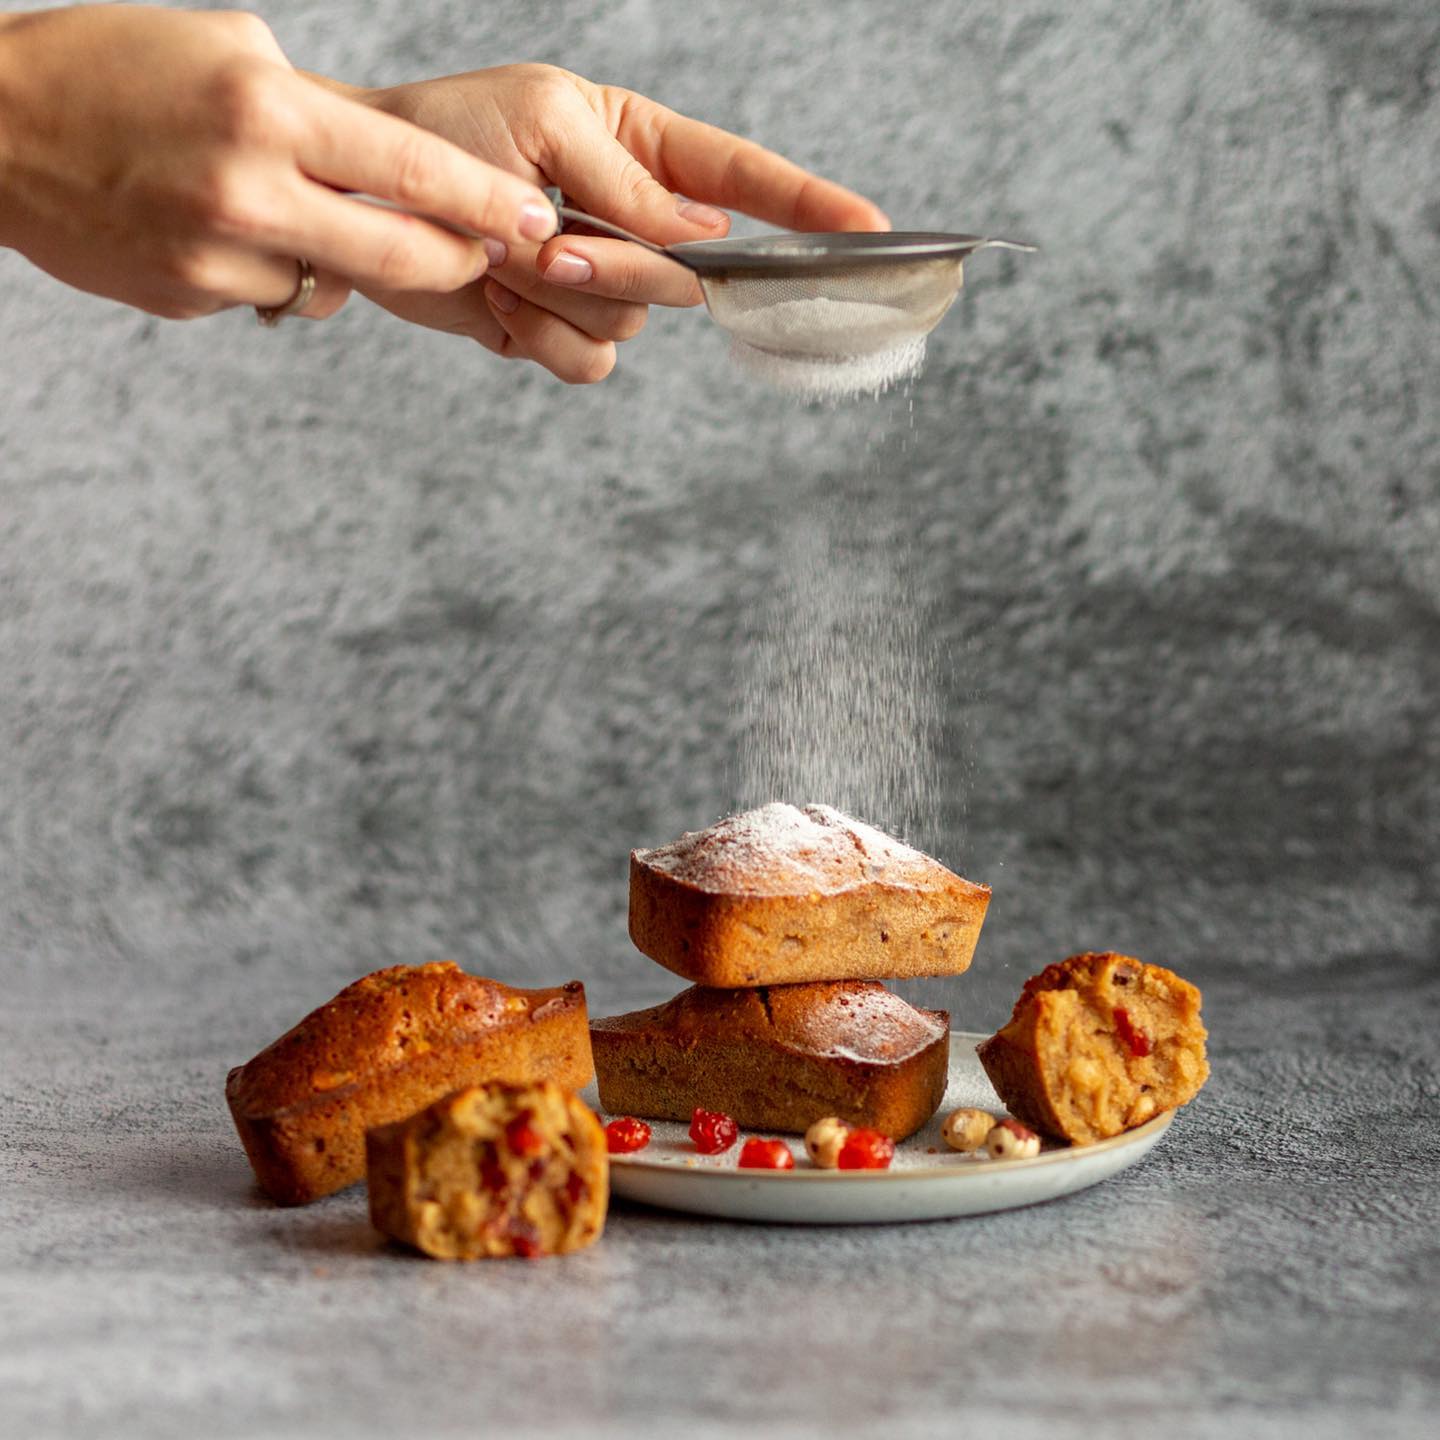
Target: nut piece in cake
777	1056
490	1171
780	894
382	1049
1096	1045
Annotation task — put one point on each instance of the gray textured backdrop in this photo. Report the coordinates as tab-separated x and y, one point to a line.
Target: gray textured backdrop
350	644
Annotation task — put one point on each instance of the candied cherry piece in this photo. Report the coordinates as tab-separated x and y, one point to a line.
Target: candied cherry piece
766	1155
522	1136
1136	1041
525	1239
626	1134
712	1131
866	1150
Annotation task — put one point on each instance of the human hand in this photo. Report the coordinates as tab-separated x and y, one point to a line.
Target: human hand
175	161
619	157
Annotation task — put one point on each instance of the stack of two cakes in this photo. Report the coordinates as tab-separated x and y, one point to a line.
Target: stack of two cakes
786	919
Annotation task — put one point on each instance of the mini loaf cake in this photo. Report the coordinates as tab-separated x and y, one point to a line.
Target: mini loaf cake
1098	1044
380	1050
492	1170
778	1057
780	894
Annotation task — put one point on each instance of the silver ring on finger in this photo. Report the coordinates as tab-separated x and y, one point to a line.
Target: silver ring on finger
271	315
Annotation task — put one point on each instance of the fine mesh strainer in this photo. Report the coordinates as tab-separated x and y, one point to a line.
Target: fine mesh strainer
823	297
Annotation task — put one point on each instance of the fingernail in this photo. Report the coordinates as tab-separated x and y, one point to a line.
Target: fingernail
698	214
569	269
495	252
537	220
507	302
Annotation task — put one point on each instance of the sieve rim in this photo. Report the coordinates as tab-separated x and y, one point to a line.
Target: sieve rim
834	250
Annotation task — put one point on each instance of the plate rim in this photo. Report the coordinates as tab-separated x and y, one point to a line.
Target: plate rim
1153	1128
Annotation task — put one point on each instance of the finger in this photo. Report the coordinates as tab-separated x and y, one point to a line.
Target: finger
616	269
595	315
353	147
271	283
461	312
542	336
222	278
385	248
597	173
716	167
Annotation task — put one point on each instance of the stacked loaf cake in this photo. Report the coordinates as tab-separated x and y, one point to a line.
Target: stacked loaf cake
786	919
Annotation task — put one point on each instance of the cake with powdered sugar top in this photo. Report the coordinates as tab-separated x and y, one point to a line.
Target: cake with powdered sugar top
783	893
779	849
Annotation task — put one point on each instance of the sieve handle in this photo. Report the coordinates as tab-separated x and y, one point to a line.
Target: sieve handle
618	231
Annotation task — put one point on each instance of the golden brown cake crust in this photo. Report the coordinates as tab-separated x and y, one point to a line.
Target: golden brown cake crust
781	894
490	1171
778	1057
383	1048
1096	1045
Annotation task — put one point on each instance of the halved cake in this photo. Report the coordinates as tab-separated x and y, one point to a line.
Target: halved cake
382	1049
492	1170
778	1057
783	894
1098	1044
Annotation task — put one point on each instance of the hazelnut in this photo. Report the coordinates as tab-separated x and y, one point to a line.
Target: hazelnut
1010	1140
965	1130
823	1141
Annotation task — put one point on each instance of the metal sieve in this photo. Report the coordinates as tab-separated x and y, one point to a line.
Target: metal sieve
827	296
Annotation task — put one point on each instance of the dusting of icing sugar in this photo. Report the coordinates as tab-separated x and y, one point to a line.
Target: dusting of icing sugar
780	849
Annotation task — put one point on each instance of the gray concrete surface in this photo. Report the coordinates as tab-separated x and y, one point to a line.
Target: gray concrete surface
349	644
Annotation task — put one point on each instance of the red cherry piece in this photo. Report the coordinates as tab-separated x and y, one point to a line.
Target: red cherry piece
524	1139
766	1155
712	1131
866	1150
1137	1041
524	1239
575	1188
626	1135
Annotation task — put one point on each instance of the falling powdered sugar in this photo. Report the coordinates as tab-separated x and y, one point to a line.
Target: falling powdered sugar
816	379
840	696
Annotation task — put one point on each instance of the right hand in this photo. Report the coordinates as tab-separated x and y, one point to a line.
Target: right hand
177	162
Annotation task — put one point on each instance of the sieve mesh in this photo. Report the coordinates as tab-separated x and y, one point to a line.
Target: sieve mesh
834	313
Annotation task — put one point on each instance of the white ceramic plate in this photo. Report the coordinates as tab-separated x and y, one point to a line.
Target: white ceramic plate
927	1181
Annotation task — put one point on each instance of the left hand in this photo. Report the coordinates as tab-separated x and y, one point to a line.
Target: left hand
622	158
